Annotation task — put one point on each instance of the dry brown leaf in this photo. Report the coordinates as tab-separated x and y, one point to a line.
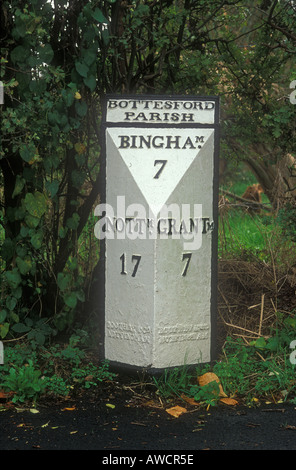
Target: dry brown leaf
229	401
176	411
209	377
5	395
290	426
189	400
152	404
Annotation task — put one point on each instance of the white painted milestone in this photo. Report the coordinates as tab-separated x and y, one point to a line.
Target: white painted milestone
158	224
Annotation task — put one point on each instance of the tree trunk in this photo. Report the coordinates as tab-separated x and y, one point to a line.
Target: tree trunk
277	179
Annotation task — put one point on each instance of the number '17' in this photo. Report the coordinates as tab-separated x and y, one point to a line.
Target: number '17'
136	258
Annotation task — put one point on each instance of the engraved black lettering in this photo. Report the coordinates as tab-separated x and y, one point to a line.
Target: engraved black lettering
137	258
128	115
124	141
175	117
141	117
209	105
163	163
155	117
122	258
146	141
123	104
157	137
188	142
187	117
172	225
112	104
173	141
187	257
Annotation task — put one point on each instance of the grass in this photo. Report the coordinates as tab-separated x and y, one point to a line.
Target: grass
243	234
251	374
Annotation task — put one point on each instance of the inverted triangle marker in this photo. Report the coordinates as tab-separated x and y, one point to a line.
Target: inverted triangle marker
158	162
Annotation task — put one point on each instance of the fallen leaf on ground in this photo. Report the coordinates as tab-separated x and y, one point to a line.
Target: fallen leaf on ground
290	426
152	404
110	405
176	411
189	400
88	378
5	395
229	401
33	410
69	409
209	377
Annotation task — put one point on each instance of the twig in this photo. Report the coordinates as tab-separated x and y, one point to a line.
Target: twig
244	329
261	313
247	201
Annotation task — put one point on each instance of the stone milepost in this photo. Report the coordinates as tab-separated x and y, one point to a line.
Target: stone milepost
157	225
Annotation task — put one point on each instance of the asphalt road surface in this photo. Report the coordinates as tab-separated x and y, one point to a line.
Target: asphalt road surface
120	426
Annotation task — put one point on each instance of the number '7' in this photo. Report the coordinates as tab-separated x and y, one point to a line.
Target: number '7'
163	163
186	256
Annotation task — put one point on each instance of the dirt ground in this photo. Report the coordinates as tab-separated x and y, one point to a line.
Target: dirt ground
119	418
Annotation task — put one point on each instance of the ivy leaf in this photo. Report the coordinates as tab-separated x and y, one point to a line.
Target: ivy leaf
98	16
36	240
32	221
39	337
45	53
3	315
73	222
81	108
89	57
52	187
4	329
35	204
28	152
82	69
20	54
71	300
24	265
7	249
90	82
63	281
13	278
19	184
21	328
11	303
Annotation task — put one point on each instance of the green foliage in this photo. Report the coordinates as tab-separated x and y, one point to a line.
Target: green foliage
25	381
91	375
259	371
287	221
55	371
43	164
173	381
57	60
208	394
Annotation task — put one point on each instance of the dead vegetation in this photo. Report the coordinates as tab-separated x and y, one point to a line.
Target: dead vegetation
251	297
